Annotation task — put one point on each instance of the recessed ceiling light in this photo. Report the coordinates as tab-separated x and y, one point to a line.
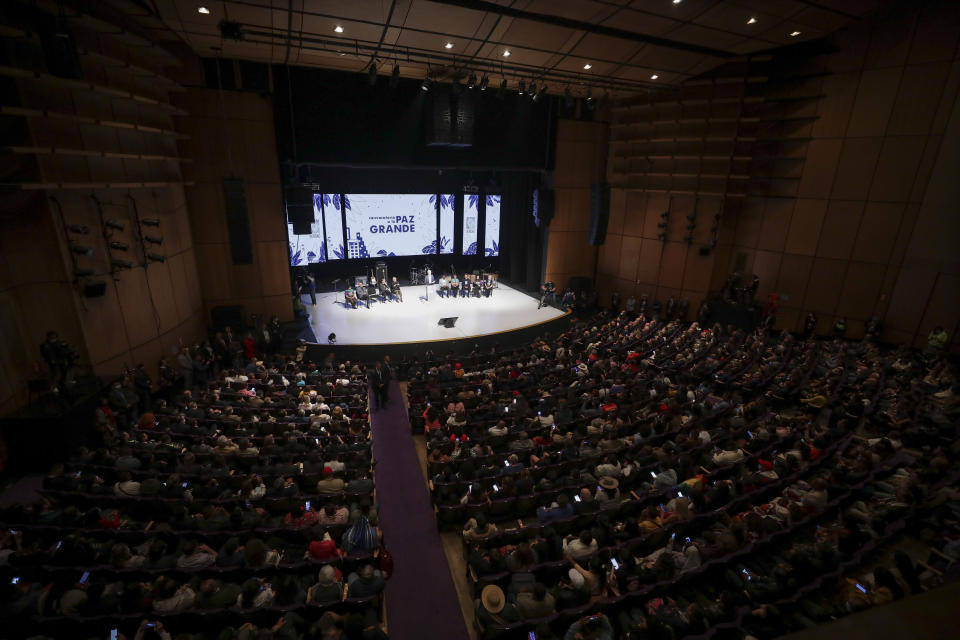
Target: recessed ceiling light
506	53
203	10
677	1
448	45
338	29
752	20
794	34
588	66
654	77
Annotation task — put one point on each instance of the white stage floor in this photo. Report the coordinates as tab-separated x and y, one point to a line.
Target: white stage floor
415	319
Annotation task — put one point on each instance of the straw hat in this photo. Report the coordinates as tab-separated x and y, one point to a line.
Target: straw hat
492	598
609	483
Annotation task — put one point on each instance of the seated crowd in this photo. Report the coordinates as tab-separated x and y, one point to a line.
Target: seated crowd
639	478
244	508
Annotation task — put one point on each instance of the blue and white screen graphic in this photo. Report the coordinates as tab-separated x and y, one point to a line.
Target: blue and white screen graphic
308	248
471	219
491	227
390	224
446	222
334	223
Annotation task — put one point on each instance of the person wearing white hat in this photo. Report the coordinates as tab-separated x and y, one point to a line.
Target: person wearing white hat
493	608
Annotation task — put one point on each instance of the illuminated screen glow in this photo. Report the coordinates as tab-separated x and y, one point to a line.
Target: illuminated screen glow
391	224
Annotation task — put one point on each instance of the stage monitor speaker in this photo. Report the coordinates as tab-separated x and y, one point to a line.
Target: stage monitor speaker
448	322
380	270
463	122
227	316
238	220
599	213
94	289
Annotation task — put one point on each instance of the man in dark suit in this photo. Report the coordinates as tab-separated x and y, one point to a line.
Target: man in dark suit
380	380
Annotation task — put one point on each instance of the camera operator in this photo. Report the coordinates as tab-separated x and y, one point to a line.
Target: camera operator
60	358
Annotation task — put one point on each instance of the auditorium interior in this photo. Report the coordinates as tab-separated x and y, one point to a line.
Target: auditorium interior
479	319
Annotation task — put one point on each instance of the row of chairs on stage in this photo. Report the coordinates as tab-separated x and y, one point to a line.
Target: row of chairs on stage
367	295
469	287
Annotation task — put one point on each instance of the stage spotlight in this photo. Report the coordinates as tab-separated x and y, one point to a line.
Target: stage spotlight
542	89
425	85
153	239
472	81
154	257
395	76
533	87
113	224
150	222
484	82
121	264
521	87
81	251
83	273
372	74
80	229
119	246
503	88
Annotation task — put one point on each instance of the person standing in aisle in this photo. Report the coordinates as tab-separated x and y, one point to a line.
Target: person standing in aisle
380	380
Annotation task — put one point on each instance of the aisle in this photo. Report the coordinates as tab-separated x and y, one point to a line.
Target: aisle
421	597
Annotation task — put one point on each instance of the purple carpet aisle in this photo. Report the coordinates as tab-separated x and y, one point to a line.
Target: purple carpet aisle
421	597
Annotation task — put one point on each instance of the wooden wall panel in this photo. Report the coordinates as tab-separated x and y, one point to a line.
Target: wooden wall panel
823	156
896	168
855	169
878	231
805	226
839	229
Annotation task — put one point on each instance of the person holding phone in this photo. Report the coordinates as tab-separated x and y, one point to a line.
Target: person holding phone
150	630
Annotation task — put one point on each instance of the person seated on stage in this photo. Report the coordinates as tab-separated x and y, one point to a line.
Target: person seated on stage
454	286
362	295
385	290
465	289
444	286
488	287
569	299
395	290
351	297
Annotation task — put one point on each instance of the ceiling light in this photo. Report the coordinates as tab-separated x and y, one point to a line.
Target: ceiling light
203	10
448	45
654	77
677	1
425	85
752	20
794	34
588	66
506	53
338	29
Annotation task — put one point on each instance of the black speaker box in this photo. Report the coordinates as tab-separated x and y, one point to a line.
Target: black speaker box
238	220
94	289
599	213
227	316
448	322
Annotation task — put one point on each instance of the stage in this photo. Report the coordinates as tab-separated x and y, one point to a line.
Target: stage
416	318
